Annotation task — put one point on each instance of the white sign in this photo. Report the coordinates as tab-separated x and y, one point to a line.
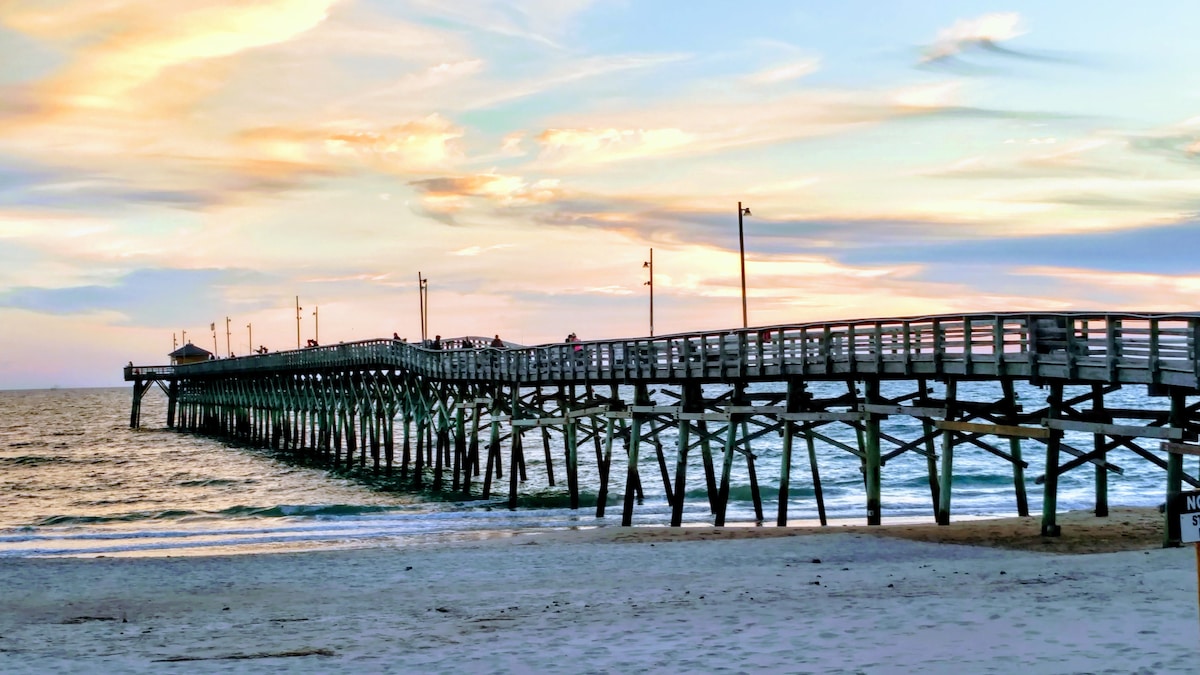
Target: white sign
1189	519
1189	527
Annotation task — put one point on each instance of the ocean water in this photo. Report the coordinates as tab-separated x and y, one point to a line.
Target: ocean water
75	480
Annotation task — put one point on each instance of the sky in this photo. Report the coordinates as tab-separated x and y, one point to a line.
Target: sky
167	167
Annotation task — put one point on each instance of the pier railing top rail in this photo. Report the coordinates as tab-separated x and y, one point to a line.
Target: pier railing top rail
1134	347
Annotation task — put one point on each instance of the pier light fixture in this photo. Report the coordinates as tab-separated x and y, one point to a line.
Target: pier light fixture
650	264
316	326
249	339
228	348
423	296
743	211
213	327
298	308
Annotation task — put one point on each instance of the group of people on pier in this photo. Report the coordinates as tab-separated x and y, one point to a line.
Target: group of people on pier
463	343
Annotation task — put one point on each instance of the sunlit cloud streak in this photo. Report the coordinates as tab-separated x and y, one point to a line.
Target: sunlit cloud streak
524	155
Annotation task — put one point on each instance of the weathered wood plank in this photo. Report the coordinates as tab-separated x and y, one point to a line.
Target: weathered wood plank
1181	448
539	422
1127	430
823	416
910	410
992	429
588	412
756	409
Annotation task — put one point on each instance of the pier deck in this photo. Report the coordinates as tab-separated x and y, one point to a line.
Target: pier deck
315	399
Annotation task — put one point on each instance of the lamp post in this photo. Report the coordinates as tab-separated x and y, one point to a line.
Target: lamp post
183	337
650	283
298	308
316	326
213	327
174	342
423	295
250	339
742	252
228	349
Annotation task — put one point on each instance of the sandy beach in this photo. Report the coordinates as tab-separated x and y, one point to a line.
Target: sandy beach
977	597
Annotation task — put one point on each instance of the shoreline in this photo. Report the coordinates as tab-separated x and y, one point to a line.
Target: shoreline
842	599
1124	529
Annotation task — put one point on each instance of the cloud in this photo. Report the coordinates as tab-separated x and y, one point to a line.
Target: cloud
981	32
413	146
448	195
1165	249
143	39
148	297
1177	142
1071	159
1129	291
598	146
564	72
785	72
472	251
539	21
704	124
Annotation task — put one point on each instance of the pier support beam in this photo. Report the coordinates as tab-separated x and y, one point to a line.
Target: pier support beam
1050	527
1014	448
946	481
1171	535
873	464
1098	443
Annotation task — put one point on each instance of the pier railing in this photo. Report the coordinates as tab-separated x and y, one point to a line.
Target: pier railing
1141	348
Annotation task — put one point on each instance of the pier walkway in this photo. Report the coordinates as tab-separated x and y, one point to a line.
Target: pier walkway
719	391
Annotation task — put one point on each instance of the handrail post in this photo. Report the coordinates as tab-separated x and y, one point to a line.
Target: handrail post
1155	371
1111	346
998	344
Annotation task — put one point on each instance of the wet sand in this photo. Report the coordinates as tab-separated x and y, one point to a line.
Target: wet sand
897	599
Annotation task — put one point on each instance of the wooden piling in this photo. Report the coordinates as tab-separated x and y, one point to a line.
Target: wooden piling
1178	419
631	475
605	463
1014	447
1050	527
818	491
946	480
726	468
1098	444
873	463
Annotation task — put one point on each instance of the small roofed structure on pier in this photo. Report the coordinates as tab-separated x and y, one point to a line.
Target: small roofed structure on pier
189	353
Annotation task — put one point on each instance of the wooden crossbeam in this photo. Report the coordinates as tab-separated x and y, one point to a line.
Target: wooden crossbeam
539	422
1008	430
915	446
756	409
1124	430
823	416
834	442
705	416
1157	461
655	409
1181	449
910	410
973	439
588	412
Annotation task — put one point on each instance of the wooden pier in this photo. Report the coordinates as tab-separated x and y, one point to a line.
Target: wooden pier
448	416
